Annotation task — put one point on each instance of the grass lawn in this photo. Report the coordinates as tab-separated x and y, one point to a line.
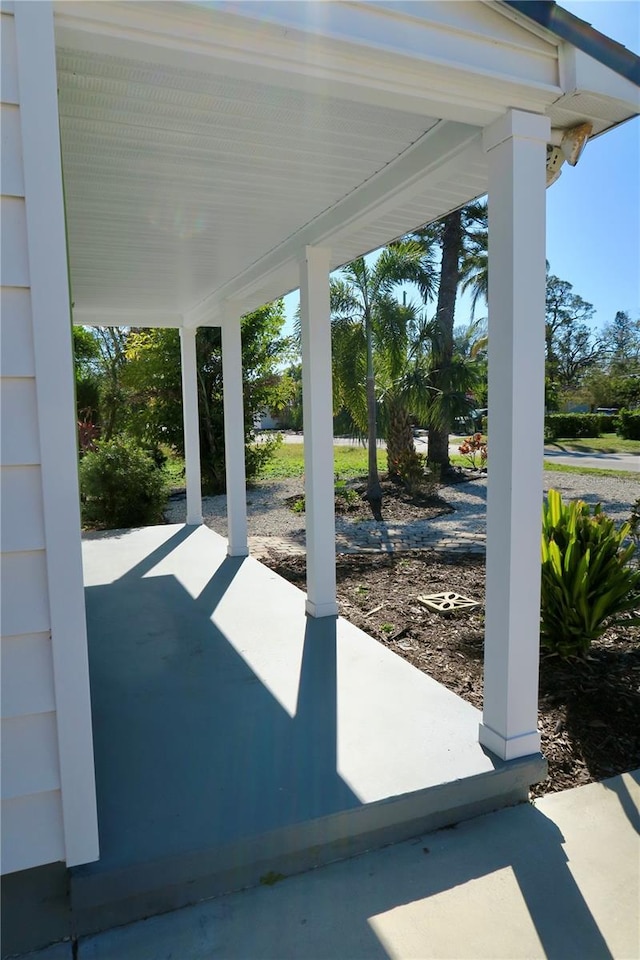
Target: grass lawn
348	462
607	443
459	461
173	469
595	471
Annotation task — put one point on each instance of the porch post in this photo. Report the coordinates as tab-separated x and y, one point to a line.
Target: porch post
234	434
191	424
516	148
317	405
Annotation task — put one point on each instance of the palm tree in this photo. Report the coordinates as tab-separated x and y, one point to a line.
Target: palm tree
460	235
357	300
368	323
474	270
403	381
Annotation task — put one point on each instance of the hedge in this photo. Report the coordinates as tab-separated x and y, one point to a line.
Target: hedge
629	424
608	422
573	425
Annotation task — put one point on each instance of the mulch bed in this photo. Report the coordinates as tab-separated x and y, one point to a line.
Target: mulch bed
397	504
589	709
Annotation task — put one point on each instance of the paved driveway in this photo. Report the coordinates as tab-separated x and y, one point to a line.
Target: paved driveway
603	461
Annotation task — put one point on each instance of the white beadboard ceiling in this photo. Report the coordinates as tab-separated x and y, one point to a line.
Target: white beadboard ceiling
203	148
176	182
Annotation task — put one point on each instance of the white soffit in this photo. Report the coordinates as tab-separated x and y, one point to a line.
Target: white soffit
204	144
178	181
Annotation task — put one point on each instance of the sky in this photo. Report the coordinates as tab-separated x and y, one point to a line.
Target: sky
593	210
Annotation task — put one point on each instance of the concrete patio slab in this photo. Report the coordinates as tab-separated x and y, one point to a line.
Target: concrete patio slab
559	878
236	738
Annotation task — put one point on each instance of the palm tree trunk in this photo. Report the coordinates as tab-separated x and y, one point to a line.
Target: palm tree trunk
399	436
452	235
374	490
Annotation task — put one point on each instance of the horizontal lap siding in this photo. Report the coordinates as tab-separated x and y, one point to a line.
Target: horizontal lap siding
32	826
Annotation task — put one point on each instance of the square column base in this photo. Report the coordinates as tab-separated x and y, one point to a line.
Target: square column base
524	745
237	551
194	521
318	610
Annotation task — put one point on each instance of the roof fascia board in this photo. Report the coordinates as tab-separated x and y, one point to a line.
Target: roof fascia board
532	26
584	72
251	49
431	159
581	35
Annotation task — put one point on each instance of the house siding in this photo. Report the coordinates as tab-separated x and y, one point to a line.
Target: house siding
35	830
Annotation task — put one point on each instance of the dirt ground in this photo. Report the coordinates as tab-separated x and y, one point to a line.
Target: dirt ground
589	709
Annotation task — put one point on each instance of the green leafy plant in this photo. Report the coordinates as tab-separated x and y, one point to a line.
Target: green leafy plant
121	486
587	580
346	497
415	474
634	523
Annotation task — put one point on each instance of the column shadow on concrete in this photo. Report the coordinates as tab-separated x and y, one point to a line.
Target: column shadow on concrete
619	787
339	911
191	748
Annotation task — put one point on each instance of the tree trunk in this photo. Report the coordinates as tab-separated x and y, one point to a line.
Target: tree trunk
374	490
438	447
399	436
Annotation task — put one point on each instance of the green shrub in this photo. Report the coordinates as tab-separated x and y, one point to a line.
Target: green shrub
572	426
121	486
608	422
634	523
629	424
259	454
586	576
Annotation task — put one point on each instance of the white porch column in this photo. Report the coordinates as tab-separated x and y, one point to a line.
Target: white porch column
516	147
317	402
234	434
191	425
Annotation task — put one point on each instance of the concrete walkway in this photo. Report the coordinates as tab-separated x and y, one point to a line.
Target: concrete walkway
594	460
557	879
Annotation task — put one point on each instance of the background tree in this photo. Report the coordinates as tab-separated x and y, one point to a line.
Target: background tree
287	406
621	344
87	355
602	389
614	381
153	380
136	376
570	346
575	351
114	409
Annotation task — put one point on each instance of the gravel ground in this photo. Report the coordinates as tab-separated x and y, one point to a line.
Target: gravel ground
268	514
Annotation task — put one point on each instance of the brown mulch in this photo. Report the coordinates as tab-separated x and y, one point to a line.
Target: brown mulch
397	504
589	709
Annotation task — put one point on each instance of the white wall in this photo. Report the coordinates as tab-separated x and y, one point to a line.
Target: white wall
48	791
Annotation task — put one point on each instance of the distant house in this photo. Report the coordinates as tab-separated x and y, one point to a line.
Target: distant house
179	164
266	421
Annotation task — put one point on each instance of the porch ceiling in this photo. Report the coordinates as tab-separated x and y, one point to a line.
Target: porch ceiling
204	145
178	181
